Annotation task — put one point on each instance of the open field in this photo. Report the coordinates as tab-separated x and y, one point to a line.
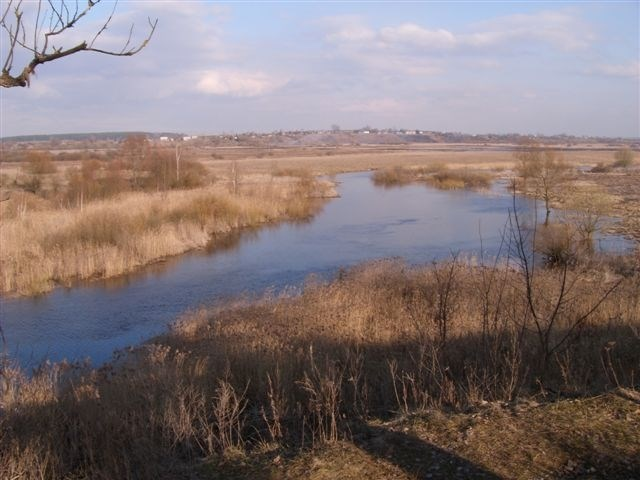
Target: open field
352	159
387	371
339	159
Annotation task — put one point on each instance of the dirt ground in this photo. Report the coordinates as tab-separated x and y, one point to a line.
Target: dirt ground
593	438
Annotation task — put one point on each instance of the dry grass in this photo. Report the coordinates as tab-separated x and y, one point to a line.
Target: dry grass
454	179
314	368
111	237
437	175
360	158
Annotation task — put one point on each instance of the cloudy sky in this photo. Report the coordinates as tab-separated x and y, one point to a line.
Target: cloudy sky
526	67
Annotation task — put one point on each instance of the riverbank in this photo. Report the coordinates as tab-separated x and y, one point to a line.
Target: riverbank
384	364
32	264
107	238
485	161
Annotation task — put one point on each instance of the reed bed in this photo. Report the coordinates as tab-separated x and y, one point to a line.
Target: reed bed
436	175
40	249
307	367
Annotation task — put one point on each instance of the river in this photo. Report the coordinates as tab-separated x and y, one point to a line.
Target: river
418	223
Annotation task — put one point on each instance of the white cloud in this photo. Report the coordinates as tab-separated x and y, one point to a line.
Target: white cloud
413	50
347	28
411	33
630	69
560	29
238	83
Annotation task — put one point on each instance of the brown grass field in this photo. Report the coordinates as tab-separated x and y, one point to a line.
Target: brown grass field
454	370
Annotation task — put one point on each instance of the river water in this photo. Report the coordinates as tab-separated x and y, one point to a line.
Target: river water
418	223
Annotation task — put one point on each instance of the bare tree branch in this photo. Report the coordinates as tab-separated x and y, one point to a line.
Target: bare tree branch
60	20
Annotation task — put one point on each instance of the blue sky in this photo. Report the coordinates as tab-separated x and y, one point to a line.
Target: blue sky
475	67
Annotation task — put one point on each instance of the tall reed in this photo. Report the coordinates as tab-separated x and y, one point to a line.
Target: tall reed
106	238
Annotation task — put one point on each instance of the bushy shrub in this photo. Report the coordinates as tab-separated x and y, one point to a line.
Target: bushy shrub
39	163
623	158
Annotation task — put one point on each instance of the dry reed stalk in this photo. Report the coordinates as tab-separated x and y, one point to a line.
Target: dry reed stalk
107	238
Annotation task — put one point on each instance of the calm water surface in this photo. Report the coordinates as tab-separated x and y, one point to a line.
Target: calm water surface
417	223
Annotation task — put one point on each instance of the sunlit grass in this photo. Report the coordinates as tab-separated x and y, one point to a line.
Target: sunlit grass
106	238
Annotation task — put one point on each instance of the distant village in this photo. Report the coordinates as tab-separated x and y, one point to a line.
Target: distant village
334	137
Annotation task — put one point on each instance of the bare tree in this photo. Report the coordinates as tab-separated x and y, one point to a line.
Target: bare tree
178	155
557	319
36	37
546	168
588	210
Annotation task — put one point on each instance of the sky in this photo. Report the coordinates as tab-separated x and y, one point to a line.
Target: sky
223	67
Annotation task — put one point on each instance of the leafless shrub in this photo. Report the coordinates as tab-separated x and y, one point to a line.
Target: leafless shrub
623	158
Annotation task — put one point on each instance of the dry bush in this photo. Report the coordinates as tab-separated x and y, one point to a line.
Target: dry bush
39	163
83	183
159	171
454	179
587	212
391	177
623	158
557	244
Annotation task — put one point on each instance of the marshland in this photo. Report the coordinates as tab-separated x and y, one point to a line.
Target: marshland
319	240
498	313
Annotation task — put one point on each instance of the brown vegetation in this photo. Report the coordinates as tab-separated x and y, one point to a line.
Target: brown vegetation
543	171
437	175
106	238
623	158
39	163
455	350
101	218
296	371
